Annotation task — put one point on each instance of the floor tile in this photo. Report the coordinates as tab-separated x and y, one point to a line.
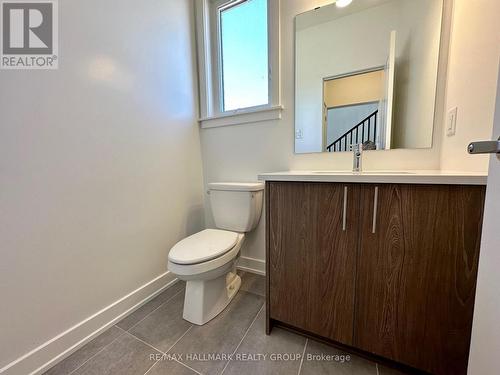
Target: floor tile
170	367
86	352
139	314
253	283
382	370
164	326
279	353
339	363
125	356
219	338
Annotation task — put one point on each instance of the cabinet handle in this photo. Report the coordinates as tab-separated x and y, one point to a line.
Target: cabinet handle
344	216
375	206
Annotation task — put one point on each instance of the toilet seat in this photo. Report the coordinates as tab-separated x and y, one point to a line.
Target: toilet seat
200	269
203	246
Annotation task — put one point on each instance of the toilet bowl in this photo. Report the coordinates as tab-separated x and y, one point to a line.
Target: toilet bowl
207	260
210	273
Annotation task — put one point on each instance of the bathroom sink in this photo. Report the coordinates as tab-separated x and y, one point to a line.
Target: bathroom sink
332	172
387	172
363	173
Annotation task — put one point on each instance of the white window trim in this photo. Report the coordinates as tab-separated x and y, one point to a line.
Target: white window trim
210	114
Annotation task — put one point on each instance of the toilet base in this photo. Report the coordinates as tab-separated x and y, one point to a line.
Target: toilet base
205	299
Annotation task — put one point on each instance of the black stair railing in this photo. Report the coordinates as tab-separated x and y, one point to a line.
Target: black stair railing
365	131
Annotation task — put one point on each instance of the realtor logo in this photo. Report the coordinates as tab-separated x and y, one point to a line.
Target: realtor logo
29	34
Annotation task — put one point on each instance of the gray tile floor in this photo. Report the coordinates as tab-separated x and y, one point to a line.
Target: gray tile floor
155	340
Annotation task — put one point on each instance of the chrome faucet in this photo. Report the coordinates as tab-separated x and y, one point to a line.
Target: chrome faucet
357	153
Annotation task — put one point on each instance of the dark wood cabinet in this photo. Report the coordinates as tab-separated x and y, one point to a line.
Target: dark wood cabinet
393	274
312	258
417	269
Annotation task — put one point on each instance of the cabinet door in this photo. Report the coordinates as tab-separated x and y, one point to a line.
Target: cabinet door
416	274
312	256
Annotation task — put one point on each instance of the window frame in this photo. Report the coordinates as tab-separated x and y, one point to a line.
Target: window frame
210	66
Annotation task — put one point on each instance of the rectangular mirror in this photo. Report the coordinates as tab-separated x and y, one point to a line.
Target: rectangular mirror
367	73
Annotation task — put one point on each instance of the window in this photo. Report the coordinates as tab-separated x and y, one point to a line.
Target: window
238	61
243	54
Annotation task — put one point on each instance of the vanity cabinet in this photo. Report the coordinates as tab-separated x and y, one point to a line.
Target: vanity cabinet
387	269
312	262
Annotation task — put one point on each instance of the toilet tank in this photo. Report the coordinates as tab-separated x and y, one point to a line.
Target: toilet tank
236	206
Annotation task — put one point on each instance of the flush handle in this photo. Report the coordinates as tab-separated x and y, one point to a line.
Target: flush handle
484	147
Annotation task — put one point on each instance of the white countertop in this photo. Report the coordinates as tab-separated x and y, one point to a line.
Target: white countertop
387	177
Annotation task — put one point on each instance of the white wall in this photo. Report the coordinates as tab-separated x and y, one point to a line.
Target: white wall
240	153
100	167
472	73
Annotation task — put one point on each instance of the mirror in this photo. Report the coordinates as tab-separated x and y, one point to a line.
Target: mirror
366	73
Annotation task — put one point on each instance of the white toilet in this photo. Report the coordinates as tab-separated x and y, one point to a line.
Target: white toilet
207	260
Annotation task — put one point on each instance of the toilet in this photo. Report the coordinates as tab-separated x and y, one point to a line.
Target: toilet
207	260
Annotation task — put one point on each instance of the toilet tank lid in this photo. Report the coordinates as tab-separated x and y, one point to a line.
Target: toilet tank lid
236	186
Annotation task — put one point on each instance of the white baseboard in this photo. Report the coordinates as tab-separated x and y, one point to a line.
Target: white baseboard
61	346
252	265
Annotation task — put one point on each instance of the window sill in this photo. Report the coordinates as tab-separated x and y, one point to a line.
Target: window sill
245	116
